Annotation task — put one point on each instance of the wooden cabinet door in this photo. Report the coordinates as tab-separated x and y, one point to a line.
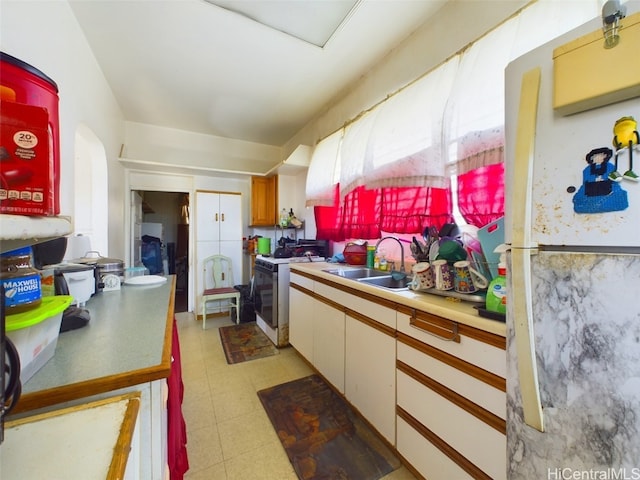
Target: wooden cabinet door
263	201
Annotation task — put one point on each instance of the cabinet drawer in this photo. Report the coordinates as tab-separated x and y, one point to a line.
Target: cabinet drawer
425	457
490	396
479	443
471	345
378	312
303	281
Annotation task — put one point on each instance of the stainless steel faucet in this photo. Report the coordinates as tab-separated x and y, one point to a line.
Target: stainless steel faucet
401	250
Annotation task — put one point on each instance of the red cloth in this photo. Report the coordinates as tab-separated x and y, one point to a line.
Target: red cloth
481	194
216	291
176	427
366	213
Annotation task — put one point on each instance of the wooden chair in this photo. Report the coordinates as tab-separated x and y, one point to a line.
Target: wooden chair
217	277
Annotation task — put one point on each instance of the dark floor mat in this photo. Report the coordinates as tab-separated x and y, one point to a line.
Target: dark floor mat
245	342
323	437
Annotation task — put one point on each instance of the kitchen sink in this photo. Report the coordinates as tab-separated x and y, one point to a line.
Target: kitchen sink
356	273
387	281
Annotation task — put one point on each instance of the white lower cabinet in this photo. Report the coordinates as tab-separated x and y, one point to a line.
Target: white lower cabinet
370	374
317	329
301	323
447	405
425	457
328	342
429	385
472	438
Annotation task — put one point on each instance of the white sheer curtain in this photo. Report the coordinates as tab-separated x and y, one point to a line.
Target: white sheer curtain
353	152
473	130
405	144
324	171
547	19
448	122
474	115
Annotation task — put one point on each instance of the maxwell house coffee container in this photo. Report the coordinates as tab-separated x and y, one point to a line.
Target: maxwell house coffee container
29	140
21	282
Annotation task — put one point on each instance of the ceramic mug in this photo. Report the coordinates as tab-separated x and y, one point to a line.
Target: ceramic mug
467	279
443	277
422	276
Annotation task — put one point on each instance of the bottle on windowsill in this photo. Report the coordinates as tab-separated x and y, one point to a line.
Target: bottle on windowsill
284	218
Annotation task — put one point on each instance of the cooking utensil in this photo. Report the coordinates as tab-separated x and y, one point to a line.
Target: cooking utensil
434	250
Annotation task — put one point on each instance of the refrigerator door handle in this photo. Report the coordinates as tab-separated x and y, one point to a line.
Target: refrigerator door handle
521	249
520	299
522	177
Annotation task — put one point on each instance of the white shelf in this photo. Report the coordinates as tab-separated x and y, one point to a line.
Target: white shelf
21	230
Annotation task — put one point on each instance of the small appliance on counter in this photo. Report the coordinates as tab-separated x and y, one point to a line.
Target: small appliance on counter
80	284
105	268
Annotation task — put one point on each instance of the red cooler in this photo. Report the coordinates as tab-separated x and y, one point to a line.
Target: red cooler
29	170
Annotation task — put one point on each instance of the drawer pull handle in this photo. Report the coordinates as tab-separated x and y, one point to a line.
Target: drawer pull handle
433	329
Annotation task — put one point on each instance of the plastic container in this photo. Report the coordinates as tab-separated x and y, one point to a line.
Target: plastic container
24	84
371	256
21	281
284	218
497	292
35	333
264	246
355	254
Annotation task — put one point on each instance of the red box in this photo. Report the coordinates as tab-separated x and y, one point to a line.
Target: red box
27	179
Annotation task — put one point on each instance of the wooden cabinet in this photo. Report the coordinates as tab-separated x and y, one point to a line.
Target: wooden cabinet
218	231
264	194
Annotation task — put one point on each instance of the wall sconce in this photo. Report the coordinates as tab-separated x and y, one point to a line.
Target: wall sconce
612	13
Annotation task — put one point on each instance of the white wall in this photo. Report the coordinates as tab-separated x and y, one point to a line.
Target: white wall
170	147
46	35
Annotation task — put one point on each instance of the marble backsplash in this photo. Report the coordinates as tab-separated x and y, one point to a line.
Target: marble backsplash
586	311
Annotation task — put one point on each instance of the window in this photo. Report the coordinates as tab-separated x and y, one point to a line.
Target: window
435	150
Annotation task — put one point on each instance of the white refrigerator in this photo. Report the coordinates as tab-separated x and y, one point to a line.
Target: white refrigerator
573	226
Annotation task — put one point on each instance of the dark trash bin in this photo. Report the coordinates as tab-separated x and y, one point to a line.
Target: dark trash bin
247	309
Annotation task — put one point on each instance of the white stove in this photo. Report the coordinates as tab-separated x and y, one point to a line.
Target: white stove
271	295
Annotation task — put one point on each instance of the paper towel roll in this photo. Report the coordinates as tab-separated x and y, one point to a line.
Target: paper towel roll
77	247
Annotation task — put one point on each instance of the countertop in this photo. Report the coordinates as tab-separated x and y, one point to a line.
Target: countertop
90	441
453	309
127	342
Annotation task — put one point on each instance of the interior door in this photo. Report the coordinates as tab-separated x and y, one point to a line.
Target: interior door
136	228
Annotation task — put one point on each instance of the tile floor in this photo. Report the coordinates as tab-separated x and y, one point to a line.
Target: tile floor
229	434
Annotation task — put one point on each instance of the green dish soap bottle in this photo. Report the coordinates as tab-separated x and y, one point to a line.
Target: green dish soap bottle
497	290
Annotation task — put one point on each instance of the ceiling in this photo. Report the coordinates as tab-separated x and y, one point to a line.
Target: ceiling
200	66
